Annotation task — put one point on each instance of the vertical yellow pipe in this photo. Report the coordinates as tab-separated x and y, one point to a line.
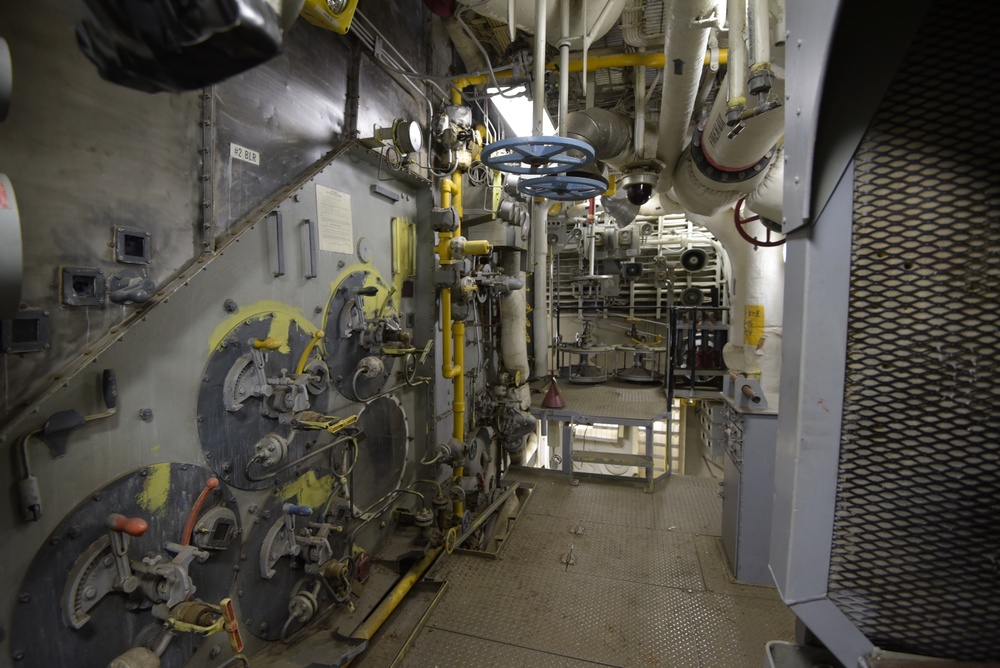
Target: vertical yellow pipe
452	368
458	341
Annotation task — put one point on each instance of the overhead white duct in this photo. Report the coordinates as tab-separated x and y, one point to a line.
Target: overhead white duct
595	17
684	45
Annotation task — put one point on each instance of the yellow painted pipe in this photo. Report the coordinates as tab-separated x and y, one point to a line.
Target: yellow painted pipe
380	614
477	247
456	190
458	405
656	60
448	369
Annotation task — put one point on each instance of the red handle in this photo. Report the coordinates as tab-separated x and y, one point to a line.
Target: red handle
210	484
133	526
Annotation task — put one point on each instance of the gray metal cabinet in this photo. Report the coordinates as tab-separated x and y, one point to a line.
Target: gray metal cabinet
748	490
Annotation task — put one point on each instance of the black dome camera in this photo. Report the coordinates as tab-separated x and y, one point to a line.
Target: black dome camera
639	193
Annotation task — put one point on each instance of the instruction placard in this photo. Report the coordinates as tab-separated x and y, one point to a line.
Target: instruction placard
333	214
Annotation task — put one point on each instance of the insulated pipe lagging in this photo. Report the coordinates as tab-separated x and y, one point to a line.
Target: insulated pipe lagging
538	111
736	17
563	65
684	45
760	35
540	320
514	322
609	133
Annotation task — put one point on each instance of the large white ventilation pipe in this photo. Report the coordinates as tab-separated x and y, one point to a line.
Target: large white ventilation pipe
758	279
595	17
610	133
684	45
724	164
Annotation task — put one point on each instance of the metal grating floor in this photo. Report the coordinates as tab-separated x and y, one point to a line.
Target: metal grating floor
650	586
611	399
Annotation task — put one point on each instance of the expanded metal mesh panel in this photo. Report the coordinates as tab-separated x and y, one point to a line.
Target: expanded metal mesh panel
916	547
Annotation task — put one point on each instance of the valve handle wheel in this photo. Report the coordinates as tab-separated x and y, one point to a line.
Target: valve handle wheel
562	187
741	222
537	155
451	540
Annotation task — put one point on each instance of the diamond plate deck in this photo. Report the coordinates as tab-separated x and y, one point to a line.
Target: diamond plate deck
638	594
446	649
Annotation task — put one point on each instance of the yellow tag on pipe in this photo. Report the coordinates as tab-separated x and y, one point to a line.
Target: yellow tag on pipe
753	324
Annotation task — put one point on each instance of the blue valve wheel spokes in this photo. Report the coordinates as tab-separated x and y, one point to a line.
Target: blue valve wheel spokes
537	155
564	187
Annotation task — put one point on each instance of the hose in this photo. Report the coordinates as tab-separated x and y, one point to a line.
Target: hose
328	446
429	482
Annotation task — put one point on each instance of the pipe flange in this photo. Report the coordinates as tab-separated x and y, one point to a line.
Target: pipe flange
705	166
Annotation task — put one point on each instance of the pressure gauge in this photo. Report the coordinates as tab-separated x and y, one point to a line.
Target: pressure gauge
408	136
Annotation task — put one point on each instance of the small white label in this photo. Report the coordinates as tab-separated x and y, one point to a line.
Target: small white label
245	154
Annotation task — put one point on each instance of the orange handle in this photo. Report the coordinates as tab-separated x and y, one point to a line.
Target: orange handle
133	526
232	626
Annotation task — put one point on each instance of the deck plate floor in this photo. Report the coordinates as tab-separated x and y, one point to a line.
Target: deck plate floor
649	586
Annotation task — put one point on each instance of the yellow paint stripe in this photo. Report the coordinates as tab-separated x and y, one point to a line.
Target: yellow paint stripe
284	315
155	489
308	490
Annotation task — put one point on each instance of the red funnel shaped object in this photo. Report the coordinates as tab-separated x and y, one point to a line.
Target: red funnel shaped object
553	398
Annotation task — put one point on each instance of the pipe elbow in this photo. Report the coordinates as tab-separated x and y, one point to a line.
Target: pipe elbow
609	133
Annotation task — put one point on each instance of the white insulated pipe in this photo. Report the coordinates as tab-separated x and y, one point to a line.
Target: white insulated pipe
684	46
563	65
758	279
514	321
538	110
729	163
766	198
760	35
736	17
640	112
540	320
